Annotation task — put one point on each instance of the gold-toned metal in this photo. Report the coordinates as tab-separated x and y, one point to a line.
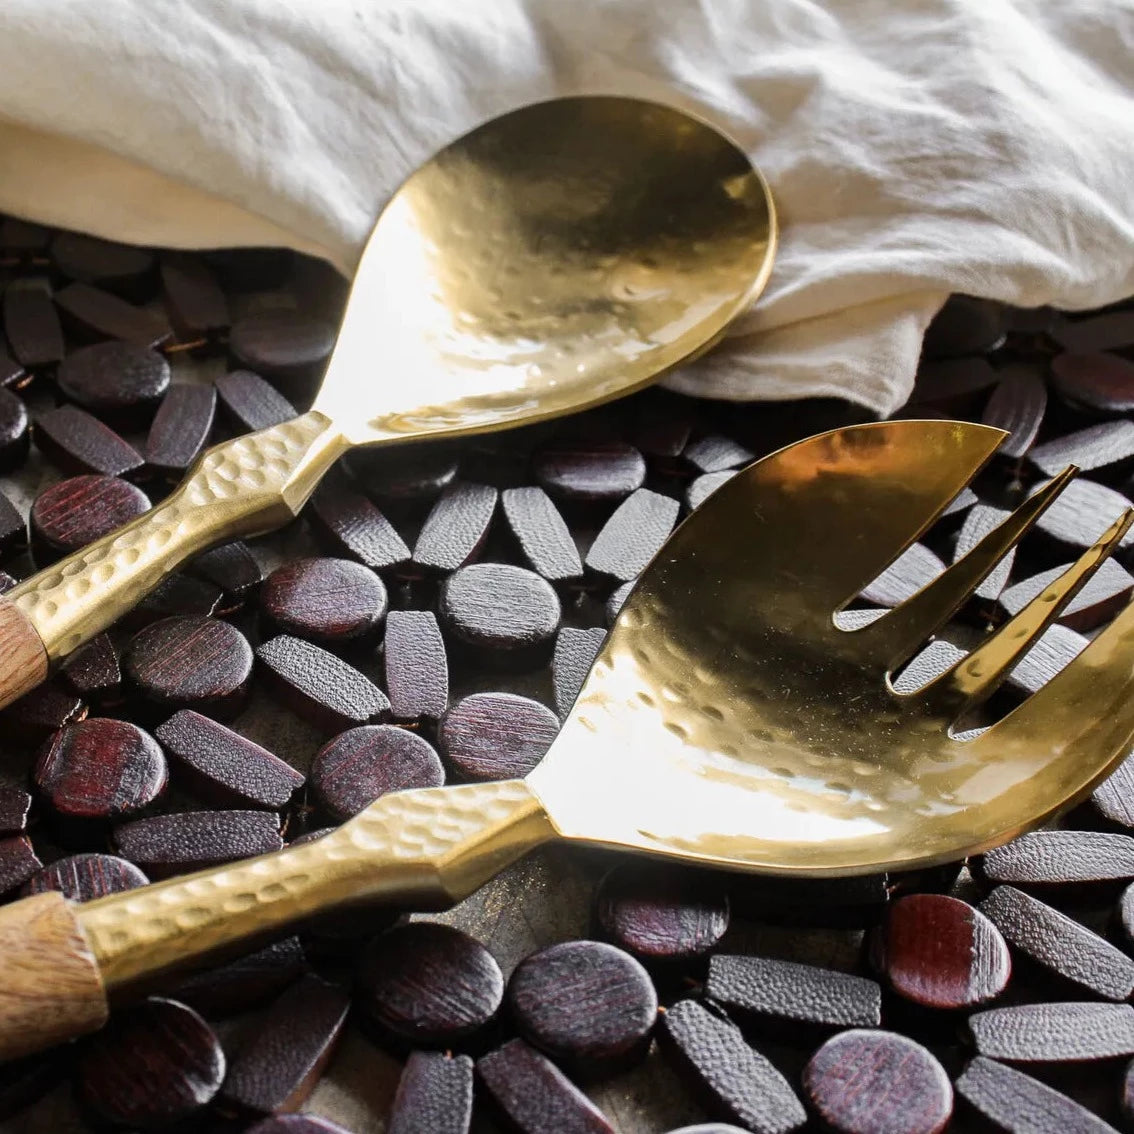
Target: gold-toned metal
728	720
556	257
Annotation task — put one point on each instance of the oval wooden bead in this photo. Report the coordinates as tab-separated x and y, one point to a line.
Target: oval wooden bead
542	534
662	914
416	665
351	524
244	983
196	303
92	313
704	486
1064	864
1017	405
330	601
72	513
153	1065
181	428
589	472
571	660
876	1082
1080	514
496	736
31	325
192	663
281	343
250	403
498	613
120	382
403	481
37	715
456	527
1099	381
14	436
429	984
632	535
84	877
124	269
93	672
176	594
911	571
1054	1033
941	953
99	771
715	453
1105	450
233	568
964	326
434	1096
77	442
363	764
585	1003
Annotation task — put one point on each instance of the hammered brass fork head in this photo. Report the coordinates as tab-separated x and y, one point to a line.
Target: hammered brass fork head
730	719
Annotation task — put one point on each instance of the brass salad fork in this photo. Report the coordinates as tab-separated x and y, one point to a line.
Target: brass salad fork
728	721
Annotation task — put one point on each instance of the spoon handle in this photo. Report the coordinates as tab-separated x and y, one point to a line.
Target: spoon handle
240	487
427	848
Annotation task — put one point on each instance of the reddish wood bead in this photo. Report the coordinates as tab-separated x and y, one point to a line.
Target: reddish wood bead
15	803
1070	1033
120	382
40	713
875	1082
181	428
31	325
1096	331
940	952
14	435
435	1095
84	877
403	481
417	669
188	662
99	771
542	534
1017	405
72	513
456	527
93	673
966	325
124	269
352	525
155	1064
248	402
164	845
319	686
232	567
176	594
496	736
92	313
278	1067
77	442
222	767
632	535
194	298
1099	381
332	601
429	984
589	472
18	862
362	764
281	343
246	982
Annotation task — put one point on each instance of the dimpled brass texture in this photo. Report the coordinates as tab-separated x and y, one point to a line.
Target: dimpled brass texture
554	258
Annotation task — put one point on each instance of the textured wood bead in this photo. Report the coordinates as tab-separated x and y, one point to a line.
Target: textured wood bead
15	803
662	913
43	710
1098	381
497	613
632	535
978	522
1057	647
351	524
18	862
99	771
876	1082
181	428
31	325
534	1096
587	1004
732	1079
403	481
245	983
72	513
190	662
589	472
417	670
365	763
571	660
120	382
194	298
704	486
715	453
319	686
1051	861
456	527
1054	1033
1017	405
124	269
1018	1104
14	436
542	534
157	1063
92	672
85	877
940	952
496	736
1104	594
222	767
429	984
617	600
1081	513
1103	449
77	442
92	313
434	1096
331	601
281	343
774	992
176	594
250	403
276	1070
232	567
915	567
1061	945
164	845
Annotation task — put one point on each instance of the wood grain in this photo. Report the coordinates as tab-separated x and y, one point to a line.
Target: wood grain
23	659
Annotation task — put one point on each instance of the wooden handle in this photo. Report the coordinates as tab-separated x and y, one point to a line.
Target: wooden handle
50	987
23	657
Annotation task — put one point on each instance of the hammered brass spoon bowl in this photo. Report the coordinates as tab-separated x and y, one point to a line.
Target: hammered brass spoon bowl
554	258
728	721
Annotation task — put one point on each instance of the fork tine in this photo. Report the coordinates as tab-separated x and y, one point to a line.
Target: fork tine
898	634
976	677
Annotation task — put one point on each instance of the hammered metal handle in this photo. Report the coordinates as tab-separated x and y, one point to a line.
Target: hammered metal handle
241	487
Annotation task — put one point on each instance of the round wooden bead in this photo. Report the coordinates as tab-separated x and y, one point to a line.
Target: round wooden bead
324	600
403	480
190	663
72	513
662	914
124	269
154	1064
84	877
940	952
585	1003
120	382
100	771
281	343
496	736
875	1082
500	614
363	763
429	984
14	436
590	472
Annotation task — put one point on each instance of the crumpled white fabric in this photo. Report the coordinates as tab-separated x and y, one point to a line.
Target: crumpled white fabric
914	147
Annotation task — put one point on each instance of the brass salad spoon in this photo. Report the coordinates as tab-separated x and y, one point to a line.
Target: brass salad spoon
729	720
554	258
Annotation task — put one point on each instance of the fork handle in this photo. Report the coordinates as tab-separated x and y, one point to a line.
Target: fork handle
241	487
428	847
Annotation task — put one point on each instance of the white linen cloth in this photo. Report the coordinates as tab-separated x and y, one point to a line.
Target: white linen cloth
914	147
